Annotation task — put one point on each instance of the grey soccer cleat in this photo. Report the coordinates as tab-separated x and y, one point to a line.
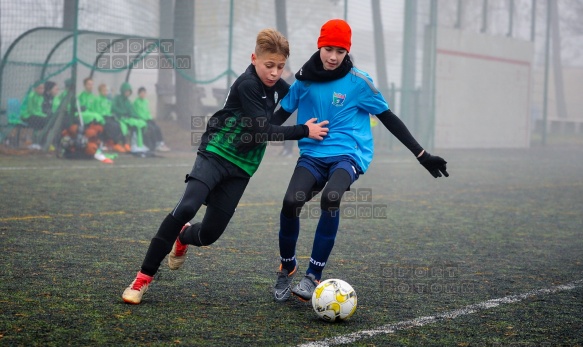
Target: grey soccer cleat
306	287
282	288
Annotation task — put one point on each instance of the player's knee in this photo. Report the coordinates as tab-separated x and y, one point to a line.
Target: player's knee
330	201
183	213
208	234
292	207
207	239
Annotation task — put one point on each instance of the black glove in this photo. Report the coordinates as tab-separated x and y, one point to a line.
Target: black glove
434	164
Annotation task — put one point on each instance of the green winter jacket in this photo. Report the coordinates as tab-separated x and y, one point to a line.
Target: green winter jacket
102	105
59	99
87	101
87	104
32	106
121	106
142	108
123	109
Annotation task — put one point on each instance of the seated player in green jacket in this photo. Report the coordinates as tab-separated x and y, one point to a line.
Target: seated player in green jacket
31	111
112	134
87	103
123	109
153	134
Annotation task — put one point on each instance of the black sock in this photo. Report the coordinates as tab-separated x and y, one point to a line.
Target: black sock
161	244
289	231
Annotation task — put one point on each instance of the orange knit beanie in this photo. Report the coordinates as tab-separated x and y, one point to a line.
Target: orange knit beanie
335	33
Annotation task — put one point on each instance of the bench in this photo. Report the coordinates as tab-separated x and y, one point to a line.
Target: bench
14	125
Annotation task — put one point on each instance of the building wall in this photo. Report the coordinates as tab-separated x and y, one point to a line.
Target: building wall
483	91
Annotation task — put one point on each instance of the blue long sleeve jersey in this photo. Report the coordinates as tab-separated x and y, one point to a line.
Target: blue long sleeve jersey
347	104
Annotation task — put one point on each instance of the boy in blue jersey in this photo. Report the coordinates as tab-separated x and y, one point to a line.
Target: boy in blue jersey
230	152
330	88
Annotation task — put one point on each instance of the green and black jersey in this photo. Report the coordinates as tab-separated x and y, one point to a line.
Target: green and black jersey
239	132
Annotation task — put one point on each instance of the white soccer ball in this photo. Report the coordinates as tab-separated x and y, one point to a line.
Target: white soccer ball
334	300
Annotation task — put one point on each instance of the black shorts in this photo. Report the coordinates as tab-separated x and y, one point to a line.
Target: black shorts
225	180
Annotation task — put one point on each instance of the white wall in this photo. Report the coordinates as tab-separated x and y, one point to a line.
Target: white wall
482	90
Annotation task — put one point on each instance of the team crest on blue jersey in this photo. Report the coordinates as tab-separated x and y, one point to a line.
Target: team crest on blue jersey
338	99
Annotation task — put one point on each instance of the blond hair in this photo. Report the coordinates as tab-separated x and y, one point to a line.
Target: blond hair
271	41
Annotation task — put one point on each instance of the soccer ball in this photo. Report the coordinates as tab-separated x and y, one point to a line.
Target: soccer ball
334	300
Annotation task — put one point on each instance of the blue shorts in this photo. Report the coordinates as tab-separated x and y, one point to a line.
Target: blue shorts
323	168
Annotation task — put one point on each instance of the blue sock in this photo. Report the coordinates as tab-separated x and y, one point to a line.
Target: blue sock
289	230
323	242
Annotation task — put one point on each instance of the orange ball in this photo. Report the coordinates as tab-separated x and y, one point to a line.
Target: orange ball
91	148
90	133
98	128
73	130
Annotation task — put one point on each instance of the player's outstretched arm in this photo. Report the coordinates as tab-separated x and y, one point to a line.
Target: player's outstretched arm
316	131
311	129
434	164
260	125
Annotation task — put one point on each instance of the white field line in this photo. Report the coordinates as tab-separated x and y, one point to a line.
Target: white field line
422	321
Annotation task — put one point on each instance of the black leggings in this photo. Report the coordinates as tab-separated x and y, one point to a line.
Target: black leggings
221	202
302	188
112	130
154	132
37	122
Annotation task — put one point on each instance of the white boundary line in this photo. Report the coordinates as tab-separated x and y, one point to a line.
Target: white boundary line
422	321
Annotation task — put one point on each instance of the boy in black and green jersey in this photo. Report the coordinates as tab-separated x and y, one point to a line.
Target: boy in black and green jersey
230	152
